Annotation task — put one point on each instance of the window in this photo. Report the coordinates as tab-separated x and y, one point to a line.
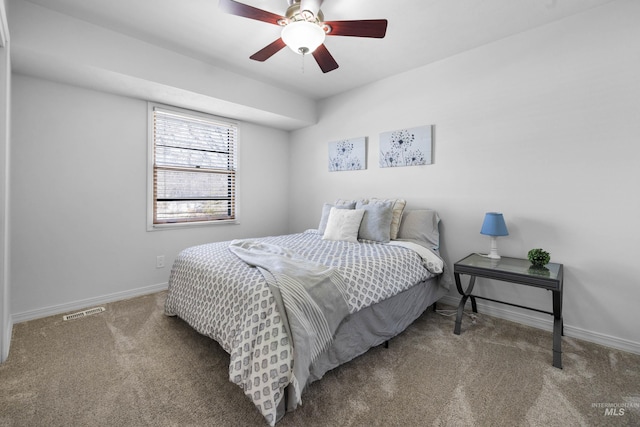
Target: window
193	172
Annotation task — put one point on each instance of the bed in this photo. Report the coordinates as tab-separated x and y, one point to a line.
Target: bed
319	298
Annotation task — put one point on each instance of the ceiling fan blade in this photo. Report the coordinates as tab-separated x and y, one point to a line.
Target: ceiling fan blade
244	10
324	59
268	51
375	28
312	6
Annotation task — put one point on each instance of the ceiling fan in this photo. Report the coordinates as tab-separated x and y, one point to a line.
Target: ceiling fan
304	29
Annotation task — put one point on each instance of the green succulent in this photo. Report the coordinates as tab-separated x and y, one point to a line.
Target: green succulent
539	256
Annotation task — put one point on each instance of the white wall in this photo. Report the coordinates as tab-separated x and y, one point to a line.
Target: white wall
61	48
78	198
542	126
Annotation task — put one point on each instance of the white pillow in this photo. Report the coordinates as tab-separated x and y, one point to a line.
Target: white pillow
326	208
343	224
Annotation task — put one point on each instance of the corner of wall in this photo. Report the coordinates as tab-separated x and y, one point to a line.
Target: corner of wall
4	27
6	341
6	326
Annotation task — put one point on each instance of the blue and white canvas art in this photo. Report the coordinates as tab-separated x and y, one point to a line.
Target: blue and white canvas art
348	154
406	147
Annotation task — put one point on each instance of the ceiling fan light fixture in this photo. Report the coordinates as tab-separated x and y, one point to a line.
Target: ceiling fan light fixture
302	36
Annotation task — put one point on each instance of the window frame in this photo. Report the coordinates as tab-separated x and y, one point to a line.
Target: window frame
151	226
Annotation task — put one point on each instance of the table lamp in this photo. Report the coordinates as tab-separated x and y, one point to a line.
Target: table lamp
494	226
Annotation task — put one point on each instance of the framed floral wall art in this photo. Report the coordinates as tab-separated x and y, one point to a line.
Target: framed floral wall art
348	154
406	147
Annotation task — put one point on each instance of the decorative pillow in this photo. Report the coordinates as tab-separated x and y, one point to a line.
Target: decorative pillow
420	226
326	208
376	222
343	224
341	202
398	208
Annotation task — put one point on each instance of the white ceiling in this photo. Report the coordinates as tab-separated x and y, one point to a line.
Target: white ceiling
419	32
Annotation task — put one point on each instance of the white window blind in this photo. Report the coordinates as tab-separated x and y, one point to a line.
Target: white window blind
194	168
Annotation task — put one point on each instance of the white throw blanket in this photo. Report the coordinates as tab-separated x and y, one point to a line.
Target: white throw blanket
313	295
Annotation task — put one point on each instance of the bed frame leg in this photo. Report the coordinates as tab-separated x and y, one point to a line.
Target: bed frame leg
386	343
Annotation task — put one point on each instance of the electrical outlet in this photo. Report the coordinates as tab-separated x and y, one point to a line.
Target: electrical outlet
160	261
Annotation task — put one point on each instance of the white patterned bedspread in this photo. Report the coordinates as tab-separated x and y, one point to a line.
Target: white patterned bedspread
223	298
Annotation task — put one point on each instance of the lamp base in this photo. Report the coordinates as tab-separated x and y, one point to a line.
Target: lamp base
494	249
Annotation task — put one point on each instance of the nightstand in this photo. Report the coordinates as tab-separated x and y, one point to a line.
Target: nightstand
518	271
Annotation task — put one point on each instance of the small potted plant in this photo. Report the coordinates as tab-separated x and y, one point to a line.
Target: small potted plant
539	257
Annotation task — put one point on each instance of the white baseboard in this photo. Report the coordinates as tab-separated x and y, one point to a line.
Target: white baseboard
85	303
547	325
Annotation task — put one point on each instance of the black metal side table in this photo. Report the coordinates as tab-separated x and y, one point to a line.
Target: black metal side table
514	270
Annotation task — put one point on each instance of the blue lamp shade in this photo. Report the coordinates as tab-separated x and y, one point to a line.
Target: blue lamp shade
494	226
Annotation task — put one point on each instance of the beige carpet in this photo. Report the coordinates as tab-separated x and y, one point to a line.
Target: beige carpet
132	366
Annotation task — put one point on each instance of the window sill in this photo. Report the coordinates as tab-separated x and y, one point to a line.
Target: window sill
198	224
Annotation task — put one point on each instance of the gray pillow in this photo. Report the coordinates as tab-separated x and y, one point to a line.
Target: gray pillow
326	208
376	223
398	208
420	226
